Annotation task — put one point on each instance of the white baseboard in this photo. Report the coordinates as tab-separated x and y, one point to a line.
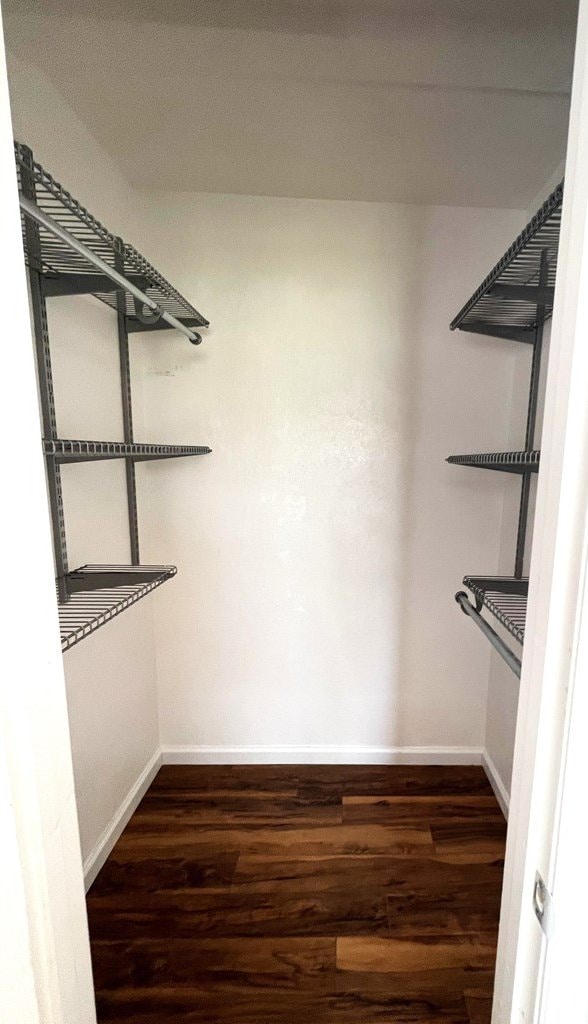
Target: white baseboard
97	857
285	754
500	791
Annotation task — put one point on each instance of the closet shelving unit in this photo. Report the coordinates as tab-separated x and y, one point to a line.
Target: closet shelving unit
69	252
513	302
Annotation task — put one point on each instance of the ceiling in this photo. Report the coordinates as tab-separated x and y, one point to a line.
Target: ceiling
456	102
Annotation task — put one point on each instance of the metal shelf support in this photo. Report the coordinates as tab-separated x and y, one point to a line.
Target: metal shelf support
45	377
531	421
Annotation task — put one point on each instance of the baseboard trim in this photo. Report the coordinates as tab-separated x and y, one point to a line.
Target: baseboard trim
97	857
500	791
286	754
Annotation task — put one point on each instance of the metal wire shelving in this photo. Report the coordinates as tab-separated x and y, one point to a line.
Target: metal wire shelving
514	302
96	451
66	271
506	303
98	593
505	597
69	252
503	462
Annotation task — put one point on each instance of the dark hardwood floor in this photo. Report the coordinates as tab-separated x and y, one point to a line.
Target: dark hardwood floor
302	895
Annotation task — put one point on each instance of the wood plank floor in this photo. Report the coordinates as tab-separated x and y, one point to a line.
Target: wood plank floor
319	895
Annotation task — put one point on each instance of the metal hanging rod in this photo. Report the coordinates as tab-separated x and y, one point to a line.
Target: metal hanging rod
504	651
32	210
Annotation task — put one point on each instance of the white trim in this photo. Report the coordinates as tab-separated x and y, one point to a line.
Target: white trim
494	778
558	567
311	754
46	970
120	819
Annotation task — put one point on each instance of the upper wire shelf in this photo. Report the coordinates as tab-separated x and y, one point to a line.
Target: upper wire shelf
58	260
506	303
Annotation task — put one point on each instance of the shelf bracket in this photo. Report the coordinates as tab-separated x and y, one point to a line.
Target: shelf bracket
85	284
500	331
538	295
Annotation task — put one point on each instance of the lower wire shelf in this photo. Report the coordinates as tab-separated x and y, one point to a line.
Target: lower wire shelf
98	593
505	597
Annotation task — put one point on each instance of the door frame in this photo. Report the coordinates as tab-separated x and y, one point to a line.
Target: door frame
43	926
556	630
45	968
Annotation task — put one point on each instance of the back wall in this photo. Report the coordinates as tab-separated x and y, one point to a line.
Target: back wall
320	545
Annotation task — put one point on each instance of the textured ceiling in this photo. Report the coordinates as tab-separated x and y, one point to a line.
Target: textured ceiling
438	101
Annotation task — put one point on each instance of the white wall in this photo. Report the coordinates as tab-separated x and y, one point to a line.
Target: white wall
111	681
320	546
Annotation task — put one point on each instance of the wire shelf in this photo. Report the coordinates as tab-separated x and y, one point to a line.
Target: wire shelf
504	462
94	451
505	597
98	593
57	259
499	303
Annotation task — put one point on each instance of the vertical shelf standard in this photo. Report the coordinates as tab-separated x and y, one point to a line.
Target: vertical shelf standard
514	302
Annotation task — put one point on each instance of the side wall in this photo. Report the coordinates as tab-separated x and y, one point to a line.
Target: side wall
111	682
320	546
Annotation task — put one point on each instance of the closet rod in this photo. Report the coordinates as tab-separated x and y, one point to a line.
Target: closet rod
505	652
32	210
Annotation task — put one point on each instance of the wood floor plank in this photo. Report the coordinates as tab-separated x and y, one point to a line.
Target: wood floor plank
198	795
228	812
389	955
149	874
479	1008
400	780
212	1002
295	963
235	778
475	836
398	999
188	914
333	840
426	997
409	879
396	810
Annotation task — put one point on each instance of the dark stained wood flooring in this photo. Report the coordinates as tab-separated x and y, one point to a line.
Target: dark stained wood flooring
302	895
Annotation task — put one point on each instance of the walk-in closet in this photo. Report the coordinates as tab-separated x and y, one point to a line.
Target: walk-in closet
300	292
